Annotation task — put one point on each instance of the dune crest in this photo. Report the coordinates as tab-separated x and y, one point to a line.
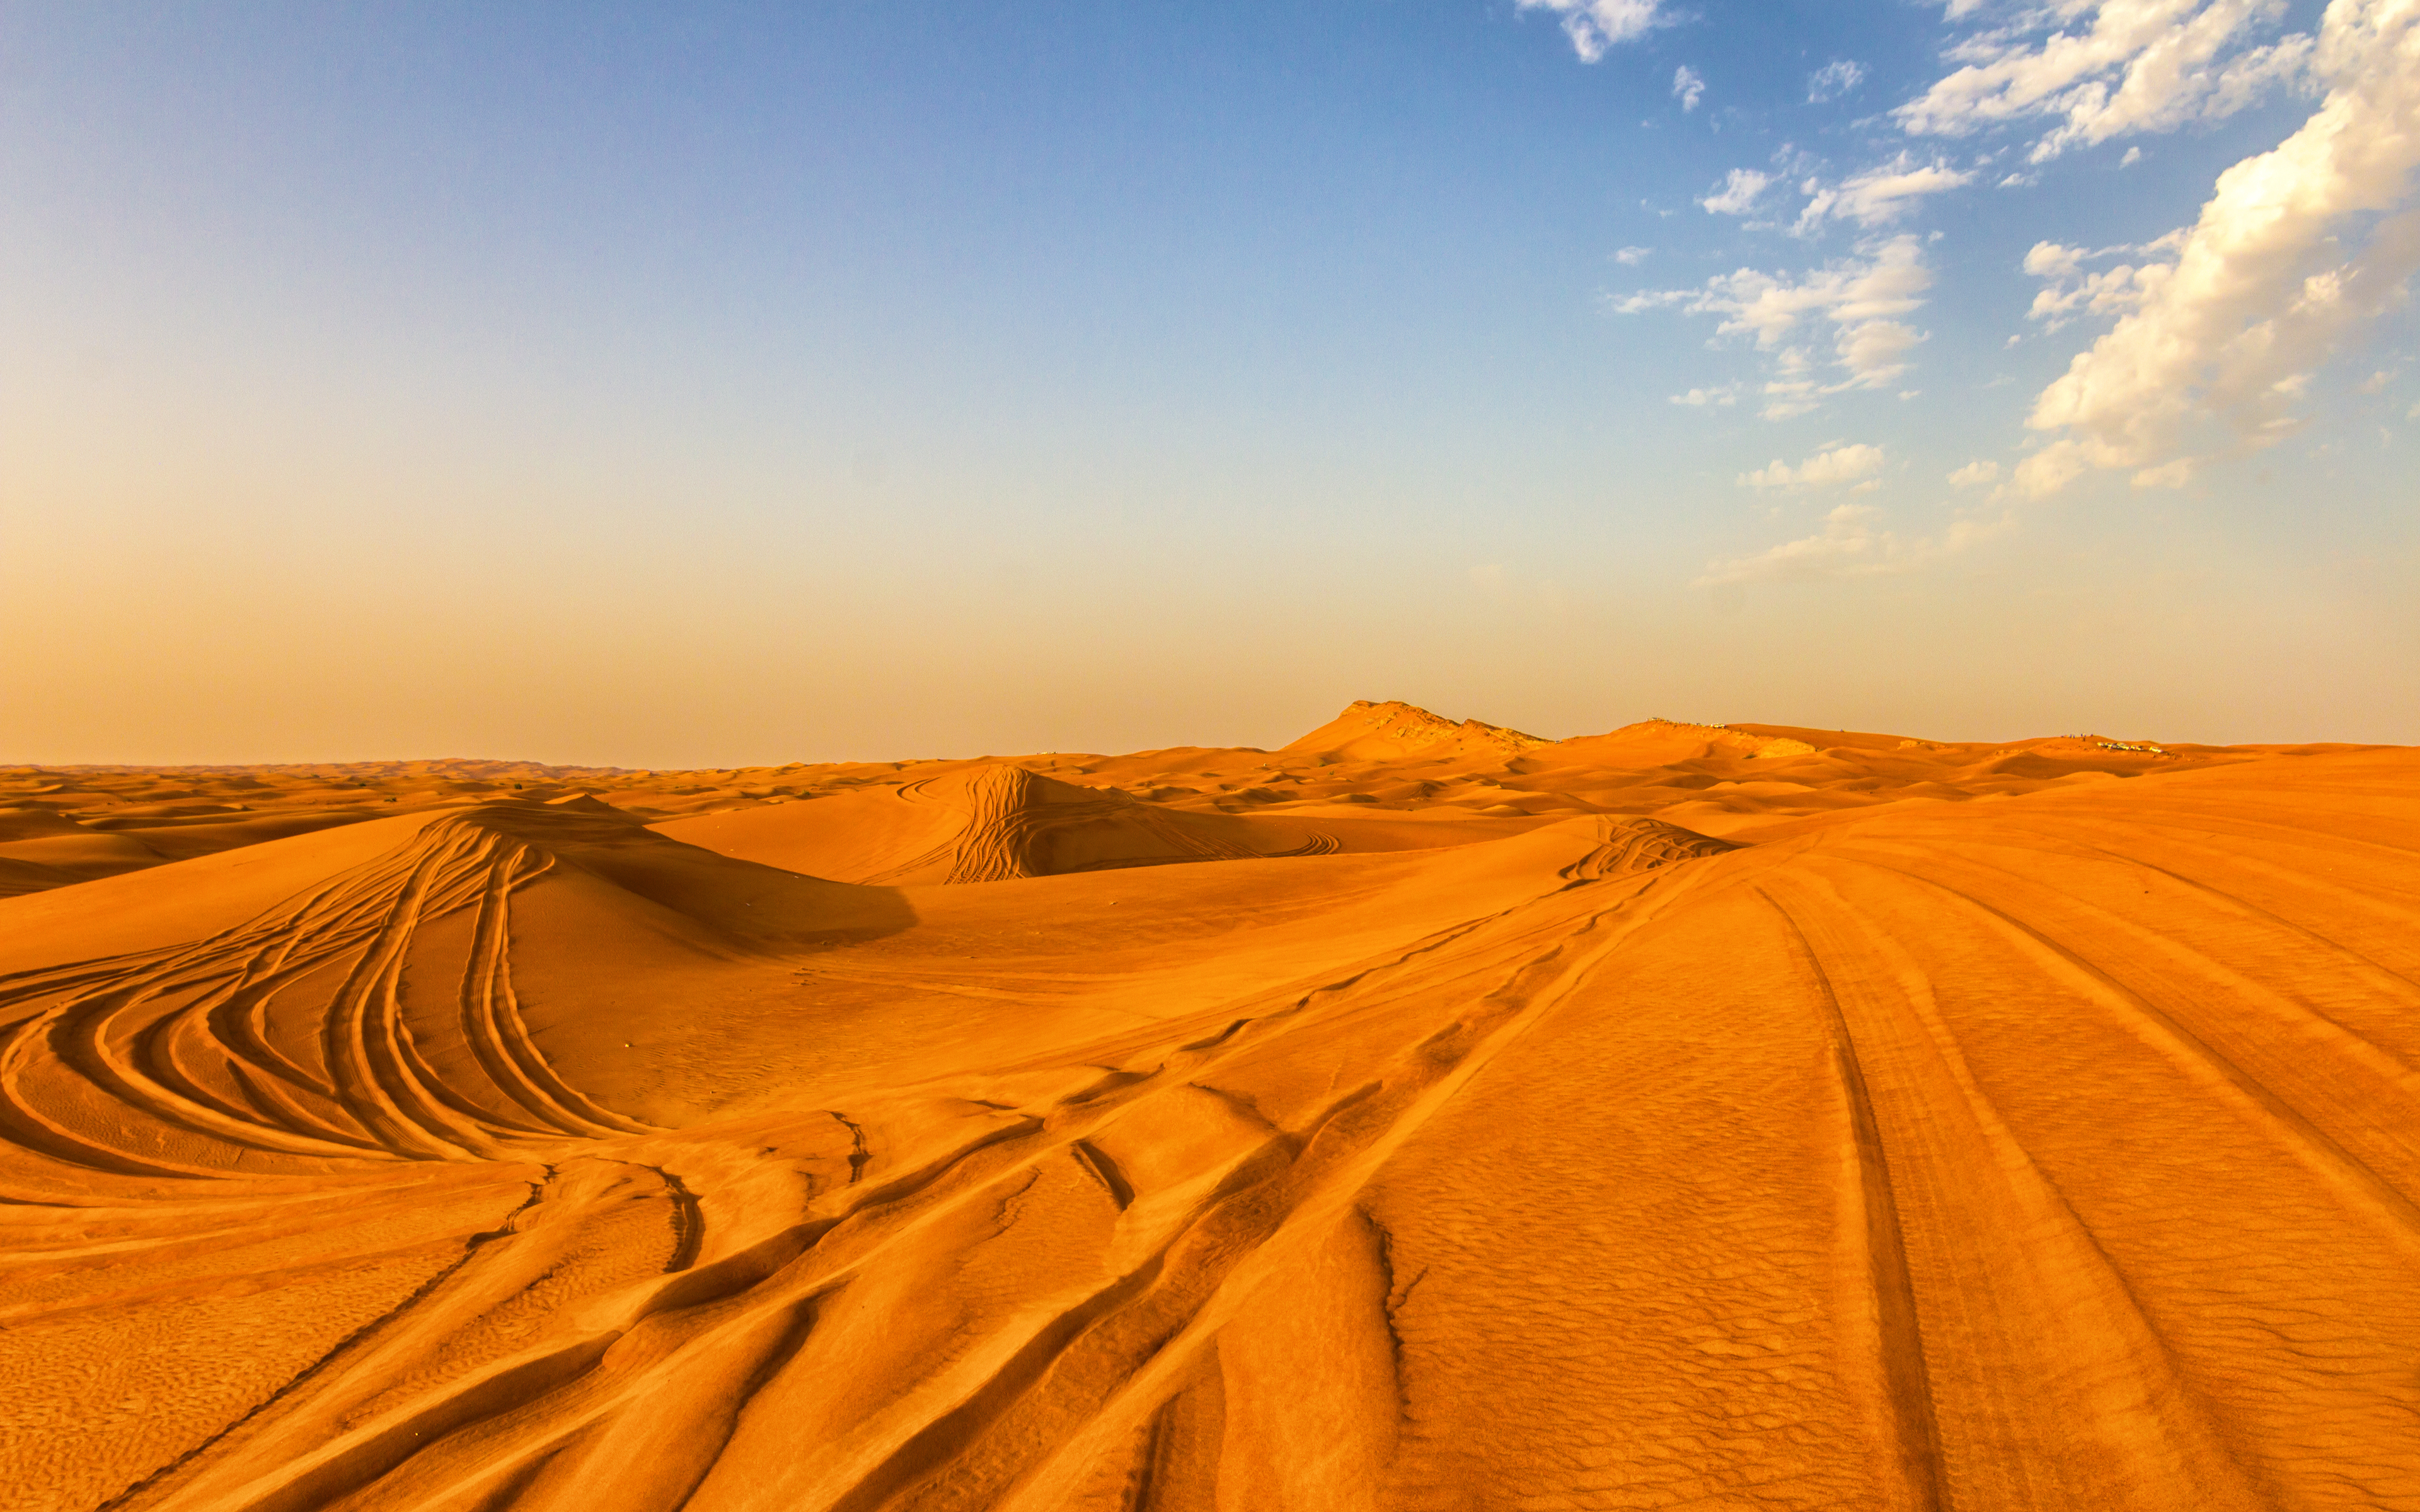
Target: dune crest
1368	731
1715	737
982	822
1422	1116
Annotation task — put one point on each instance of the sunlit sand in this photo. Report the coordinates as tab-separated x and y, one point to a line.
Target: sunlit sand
1424	1115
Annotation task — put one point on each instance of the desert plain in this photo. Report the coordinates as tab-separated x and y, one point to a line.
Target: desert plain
1423	1114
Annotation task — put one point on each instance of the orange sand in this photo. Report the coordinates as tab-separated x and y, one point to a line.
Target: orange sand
1422	1115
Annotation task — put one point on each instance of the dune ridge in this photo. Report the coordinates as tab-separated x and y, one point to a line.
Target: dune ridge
1416	1116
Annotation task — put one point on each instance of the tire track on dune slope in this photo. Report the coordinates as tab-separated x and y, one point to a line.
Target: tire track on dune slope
2380	975
1103	1333
2355	1183
1874	1227
940	1422
498	1036
498	1419
181	1038
1341	1155
521	1414
2350	1069
168	1063
135	1495
2047	1384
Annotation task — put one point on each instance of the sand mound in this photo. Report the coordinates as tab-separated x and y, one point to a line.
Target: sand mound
1368	731
39	849
985	822
1660	741
2048	1151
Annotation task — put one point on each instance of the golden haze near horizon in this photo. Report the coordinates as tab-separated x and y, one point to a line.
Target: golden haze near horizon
1423	1114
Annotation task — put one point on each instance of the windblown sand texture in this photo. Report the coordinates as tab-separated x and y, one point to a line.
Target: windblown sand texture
1422	1116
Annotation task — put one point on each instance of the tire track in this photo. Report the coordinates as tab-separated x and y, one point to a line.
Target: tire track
2356	1184
2016	1303
1874	1224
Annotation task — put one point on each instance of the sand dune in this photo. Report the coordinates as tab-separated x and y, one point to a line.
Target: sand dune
985	822
1422	1115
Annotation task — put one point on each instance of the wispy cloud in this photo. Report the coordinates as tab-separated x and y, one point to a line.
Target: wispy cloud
1633	256
1850	545
1975	474
1833	80
2074	291
1880	194
1831	468
2140	65
1859	297
2266	282
1596	26
1720	397
1854	543
1688	87
1739	192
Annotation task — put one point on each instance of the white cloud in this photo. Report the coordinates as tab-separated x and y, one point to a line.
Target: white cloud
1827	468
2111	292
1849	546
1723	397
1857	296
2048	259
1596	25
2048	471
1833	80
2140	65
1688	87
1975	474
2266	282
1633	256
2114	292
1878	195
1739	192
1874	352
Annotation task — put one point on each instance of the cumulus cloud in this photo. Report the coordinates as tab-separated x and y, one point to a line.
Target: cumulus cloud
1880	194
1833	80
2048	259
1858	298
1688	87
1975	474
2140	65
1827	468
1739	192
1596	25
2112	291
2269	279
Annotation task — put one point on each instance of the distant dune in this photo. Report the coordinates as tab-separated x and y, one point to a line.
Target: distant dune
1423	1114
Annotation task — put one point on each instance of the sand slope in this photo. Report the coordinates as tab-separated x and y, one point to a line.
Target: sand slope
2010	1127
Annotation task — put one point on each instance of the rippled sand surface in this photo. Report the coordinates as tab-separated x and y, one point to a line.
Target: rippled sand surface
1425	1116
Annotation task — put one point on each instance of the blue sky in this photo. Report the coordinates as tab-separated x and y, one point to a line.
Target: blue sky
731	383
